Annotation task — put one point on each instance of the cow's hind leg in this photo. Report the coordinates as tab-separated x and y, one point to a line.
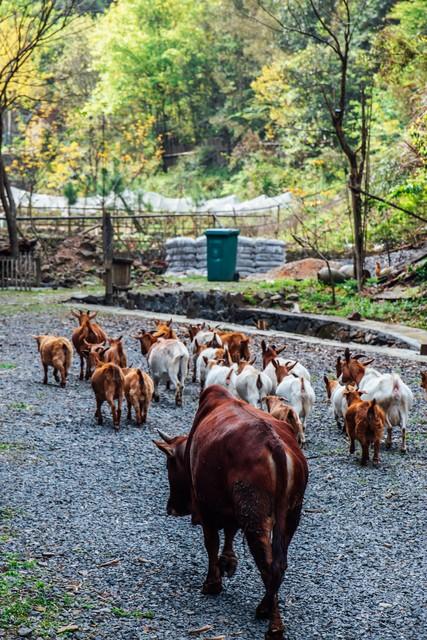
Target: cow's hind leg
271	570
228	559
212	585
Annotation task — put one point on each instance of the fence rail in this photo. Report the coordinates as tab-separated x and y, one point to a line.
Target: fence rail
154	226
20	273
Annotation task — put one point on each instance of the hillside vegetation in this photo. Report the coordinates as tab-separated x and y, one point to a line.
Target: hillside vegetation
213	97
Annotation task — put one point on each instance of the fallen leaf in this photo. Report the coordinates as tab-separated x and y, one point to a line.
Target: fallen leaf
109	563
69	627
195	632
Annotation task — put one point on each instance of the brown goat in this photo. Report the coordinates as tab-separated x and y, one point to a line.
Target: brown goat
279	409
57	353
164	330
115	353
238	345
146	341
350	369
139	389
269	352
364	421
282	370
108	384
86	331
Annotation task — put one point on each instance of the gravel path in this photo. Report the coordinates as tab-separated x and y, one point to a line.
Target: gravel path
79	495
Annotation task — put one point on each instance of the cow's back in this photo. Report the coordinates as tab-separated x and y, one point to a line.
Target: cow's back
236	455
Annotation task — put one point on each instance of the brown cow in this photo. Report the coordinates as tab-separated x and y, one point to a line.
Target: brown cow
57	353
239	468
87	331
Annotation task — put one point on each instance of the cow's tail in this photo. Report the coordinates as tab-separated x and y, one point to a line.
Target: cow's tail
287	508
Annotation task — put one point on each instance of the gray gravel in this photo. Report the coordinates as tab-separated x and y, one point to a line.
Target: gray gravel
81	495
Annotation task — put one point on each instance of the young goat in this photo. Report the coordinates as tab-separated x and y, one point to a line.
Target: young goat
252	385
57	353
87	331
168	361
269	355
299	393
138	389
108	384
237	343
279	409
205	354
223	373
388	389
335	392
364	421
115	353
201	336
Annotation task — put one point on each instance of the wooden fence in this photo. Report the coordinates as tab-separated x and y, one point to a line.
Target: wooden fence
21	273
149	228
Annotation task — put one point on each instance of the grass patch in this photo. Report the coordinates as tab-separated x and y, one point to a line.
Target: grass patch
123	613
19	406
7	365
27	600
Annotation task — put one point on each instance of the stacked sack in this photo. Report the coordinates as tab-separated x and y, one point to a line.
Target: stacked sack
180	254
269	254
246	253
201	255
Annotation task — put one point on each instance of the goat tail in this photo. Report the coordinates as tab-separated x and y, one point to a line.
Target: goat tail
68	354
140	379
182	368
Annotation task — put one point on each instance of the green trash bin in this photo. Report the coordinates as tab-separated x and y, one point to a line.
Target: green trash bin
222	254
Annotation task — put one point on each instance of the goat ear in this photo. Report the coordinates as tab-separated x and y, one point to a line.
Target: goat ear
205	360
165	448
169	322
119	338
275	364
92	315
294	364
326	380
76	314
252	361
365	364
263	346
347	354
281	349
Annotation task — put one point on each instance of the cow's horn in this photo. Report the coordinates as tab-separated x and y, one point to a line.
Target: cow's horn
165	436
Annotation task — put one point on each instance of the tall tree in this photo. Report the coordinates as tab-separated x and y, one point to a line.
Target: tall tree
25	28
339	36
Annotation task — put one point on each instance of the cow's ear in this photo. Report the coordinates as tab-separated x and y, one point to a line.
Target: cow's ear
167	449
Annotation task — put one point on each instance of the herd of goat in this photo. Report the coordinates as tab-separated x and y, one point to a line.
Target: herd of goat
241	466
364	401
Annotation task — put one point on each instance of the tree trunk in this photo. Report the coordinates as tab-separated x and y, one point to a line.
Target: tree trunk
8	203
357	212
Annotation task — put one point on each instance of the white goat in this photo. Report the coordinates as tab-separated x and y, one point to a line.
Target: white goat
168	361
298	392
253	385
211	353
224	376
335	391
299	370
394	396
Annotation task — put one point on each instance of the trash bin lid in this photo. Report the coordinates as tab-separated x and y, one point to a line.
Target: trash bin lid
222	232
